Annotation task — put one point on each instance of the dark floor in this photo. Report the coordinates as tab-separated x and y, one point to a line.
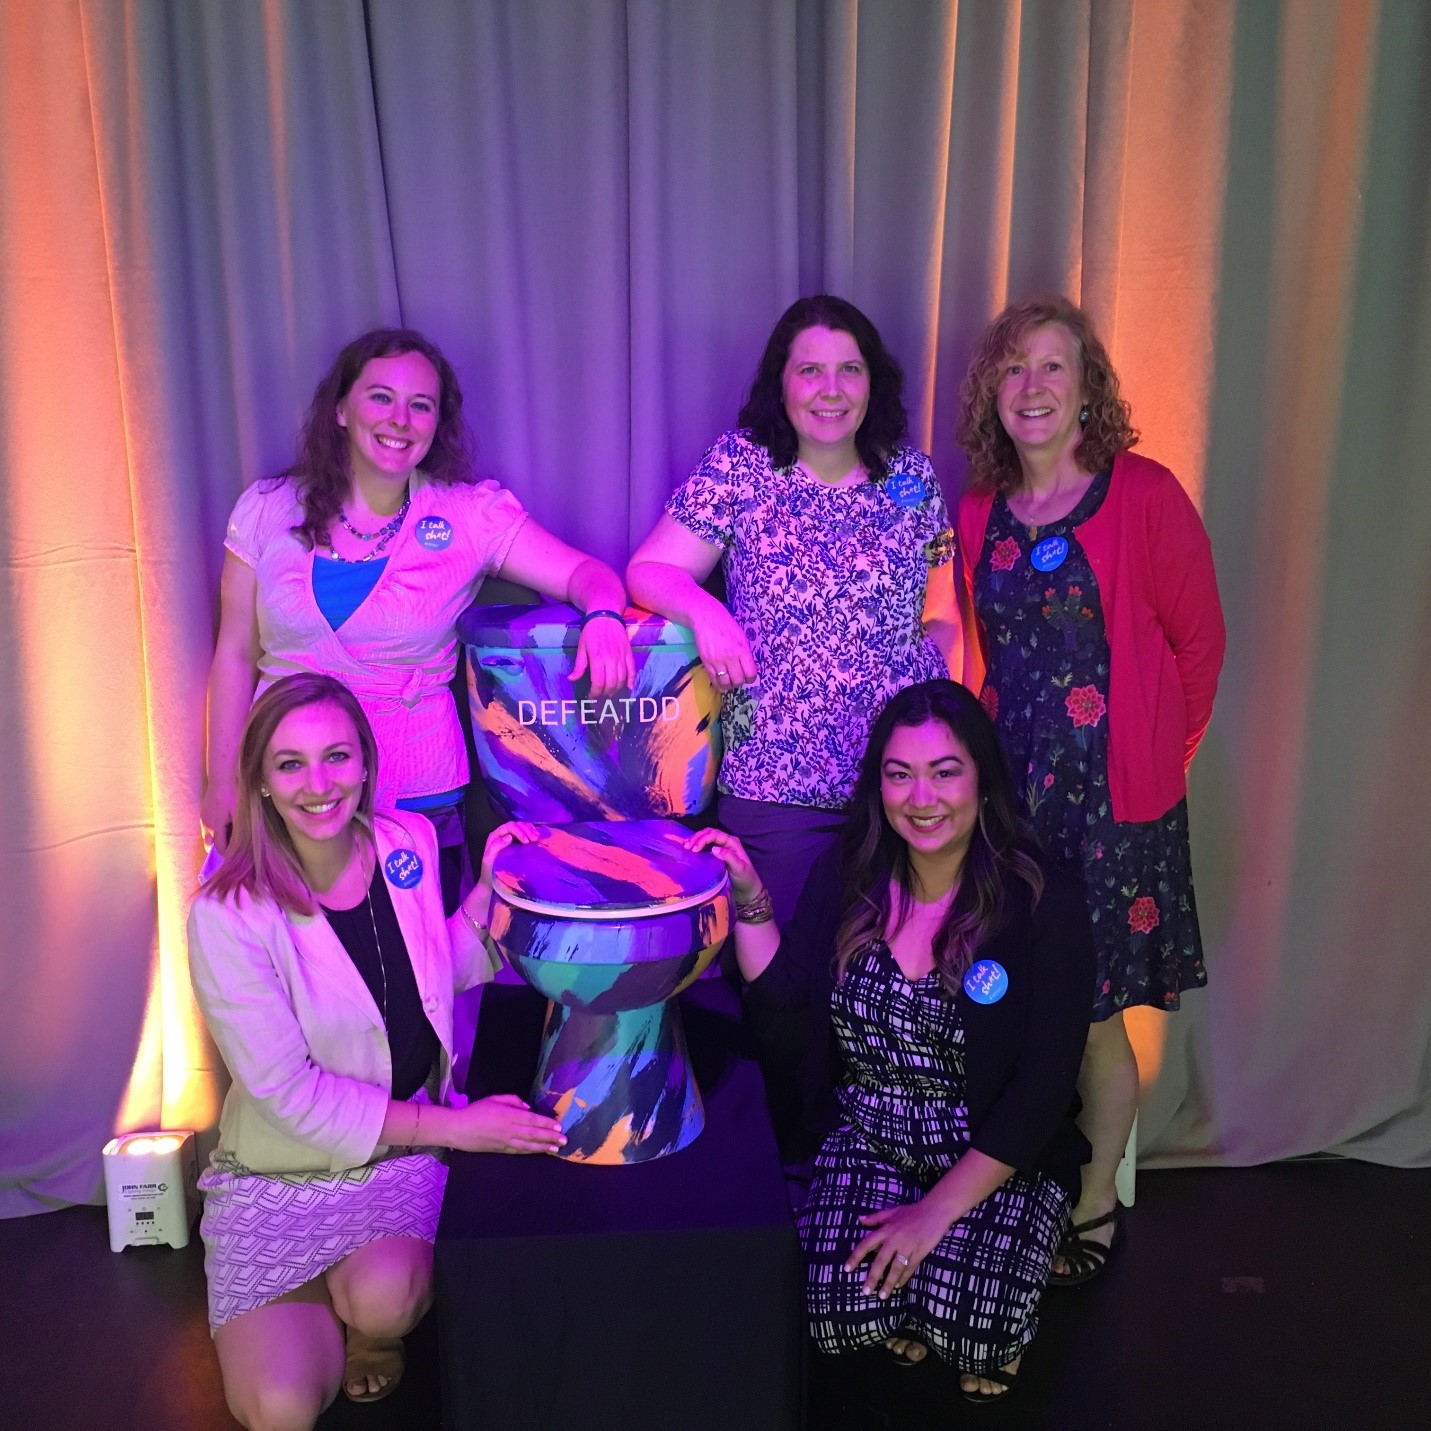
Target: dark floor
1291	1296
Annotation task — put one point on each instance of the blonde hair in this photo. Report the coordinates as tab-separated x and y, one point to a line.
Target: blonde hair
261	858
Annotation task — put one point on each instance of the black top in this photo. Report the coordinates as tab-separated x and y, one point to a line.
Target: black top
1021	1053
411	1040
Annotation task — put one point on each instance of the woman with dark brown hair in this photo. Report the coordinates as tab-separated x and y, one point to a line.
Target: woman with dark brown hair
838	559
936	977
1096	642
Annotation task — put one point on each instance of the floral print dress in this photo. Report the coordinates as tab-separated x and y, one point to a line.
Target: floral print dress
1047	690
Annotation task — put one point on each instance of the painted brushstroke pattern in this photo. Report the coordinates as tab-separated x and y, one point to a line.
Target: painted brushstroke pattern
613	1063
548	751
601	864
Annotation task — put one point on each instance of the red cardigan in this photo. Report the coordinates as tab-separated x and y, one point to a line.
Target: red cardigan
1153	561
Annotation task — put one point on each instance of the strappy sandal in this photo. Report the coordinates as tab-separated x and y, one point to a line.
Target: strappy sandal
1084	1259
1009	1380
372	1356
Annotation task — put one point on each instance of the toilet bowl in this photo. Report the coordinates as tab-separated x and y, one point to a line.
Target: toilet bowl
607	914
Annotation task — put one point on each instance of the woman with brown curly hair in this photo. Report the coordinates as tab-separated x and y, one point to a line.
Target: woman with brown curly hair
1097	644
356	562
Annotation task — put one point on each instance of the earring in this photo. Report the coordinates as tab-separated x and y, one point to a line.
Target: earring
1083	417
263	790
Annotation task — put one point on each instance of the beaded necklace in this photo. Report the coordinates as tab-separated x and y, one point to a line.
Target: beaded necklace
382	536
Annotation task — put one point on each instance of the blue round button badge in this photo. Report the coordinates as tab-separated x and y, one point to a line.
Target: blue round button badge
987	982
1050	553
906	489
434	533
403	868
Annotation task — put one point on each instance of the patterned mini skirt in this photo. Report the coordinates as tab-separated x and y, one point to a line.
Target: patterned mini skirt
266	1234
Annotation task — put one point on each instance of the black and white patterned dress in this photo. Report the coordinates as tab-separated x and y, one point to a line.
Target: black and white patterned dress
974	1298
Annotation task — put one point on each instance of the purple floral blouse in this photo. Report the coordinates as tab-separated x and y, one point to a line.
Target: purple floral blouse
828	584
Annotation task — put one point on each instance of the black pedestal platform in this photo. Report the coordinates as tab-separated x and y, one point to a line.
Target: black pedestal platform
664	1295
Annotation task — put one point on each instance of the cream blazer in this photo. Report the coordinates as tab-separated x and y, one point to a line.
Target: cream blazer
302	1037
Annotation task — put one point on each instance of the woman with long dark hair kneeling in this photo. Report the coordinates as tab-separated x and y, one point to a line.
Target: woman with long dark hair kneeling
938	975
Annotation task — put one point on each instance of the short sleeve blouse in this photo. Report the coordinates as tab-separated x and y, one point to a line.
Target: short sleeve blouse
828	585
398	649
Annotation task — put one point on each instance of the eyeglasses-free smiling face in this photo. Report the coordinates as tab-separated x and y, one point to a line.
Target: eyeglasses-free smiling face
930	788
390	415
1041	392
313	771
826	388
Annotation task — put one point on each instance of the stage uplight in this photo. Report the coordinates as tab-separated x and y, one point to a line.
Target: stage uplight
151	1187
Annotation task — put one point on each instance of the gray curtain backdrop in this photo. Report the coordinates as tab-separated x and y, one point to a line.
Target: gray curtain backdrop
598	208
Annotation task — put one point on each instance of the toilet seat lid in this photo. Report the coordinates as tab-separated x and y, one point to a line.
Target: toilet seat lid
607	869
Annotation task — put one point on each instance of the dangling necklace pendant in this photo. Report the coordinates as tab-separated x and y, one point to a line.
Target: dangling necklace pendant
382	963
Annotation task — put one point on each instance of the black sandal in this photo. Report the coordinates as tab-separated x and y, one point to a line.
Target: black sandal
1007	1379
902	1358
1084	1260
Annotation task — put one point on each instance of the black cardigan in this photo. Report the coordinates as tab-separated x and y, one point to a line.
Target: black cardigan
1021	1053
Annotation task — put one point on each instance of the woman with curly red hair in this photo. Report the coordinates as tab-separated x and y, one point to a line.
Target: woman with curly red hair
1096	645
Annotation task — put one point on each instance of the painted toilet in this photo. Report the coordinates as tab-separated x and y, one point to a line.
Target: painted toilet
607	915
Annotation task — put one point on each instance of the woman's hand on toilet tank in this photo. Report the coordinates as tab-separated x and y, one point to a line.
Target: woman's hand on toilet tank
603	652
722	646
501	1124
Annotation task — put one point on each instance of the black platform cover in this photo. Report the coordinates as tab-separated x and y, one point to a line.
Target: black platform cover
665	1294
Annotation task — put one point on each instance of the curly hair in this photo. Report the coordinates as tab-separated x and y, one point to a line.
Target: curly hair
886	421
1000	850
993	460
261	857
322	471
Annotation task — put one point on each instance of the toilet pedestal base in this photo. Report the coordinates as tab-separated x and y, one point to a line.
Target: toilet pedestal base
620	1082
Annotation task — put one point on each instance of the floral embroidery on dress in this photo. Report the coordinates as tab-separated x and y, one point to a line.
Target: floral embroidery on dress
1047	692
1085	705
828	584
1143	914
1004	555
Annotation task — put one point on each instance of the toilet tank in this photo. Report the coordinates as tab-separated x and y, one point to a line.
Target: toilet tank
551	753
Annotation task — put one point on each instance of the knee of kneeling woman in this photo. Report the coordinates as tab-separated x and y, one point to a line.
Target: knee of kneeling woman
385	1302
279	1407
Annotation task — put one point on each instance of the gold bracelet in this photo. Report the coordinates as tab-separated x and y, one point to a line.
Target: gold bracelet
417	1126
760	910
